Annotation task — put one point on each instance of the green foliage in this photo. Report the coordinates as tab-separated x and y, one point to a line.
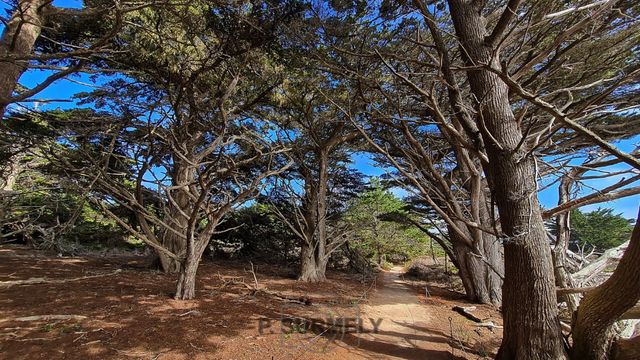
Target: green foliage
600	228
254	231
46	207
47	327
379	239
44	202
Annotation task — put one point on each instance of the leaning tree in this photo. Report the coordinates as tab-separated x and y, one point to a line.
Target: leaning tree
513	87
409	124
504	66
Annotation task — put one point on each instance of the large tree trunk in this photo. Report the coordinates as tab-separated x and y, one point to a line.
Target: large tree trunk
481	263
313	262
471	289
312	265
174	240
480	281
186	287
174	243
489	256
532	327
530	312
195	246
18	39
600	308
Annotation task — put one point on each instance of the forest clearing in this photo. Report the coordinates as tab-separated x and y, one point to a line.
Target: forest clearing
306	179
125	314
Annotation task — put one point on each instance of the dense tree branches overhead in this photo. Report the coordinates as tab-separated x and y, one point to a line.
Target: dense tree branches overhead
476	106
184	120
501	91
319	184
59	41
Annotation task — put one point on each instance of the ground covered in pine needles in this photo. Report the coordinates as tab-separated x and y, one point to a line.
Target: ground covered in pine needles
118	307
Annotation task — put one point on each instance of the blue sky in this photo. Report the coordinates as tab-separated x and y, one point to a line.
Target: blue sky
627	206
65	89
548	197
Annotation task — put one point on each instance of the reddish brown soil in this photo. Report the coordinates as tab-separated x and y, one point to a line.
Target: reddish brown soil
130	315
463	336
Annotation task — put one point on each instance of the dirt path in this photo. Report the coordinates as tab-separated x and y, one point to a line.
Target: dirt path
129	315
398	326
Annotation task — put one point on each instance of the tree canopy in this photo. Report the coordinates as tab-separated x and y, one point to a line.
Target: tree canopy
194	121
601	228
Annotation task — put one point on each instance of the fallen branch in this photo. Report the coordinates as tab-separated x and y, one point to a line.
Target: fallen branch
194	312
633	313
91	342
490	325
302	300
465	311
84	333
46	318
609	257
33	281
256	289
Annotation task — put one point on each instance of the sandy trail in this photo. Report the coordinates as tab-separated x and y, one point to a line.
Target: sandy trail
398	310
404	328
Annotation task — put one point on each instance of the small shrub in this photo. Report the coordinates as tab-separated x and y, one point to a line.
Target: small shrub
424	269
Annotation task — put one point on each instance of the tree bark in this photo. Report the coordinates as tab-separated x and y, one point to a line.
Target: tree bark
600	308
559	253
627	349
18	39
490	270
461	251
186	288
312	266
489	255
177	209
176	245
480	282
10	172
313	261
195	247
532	327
